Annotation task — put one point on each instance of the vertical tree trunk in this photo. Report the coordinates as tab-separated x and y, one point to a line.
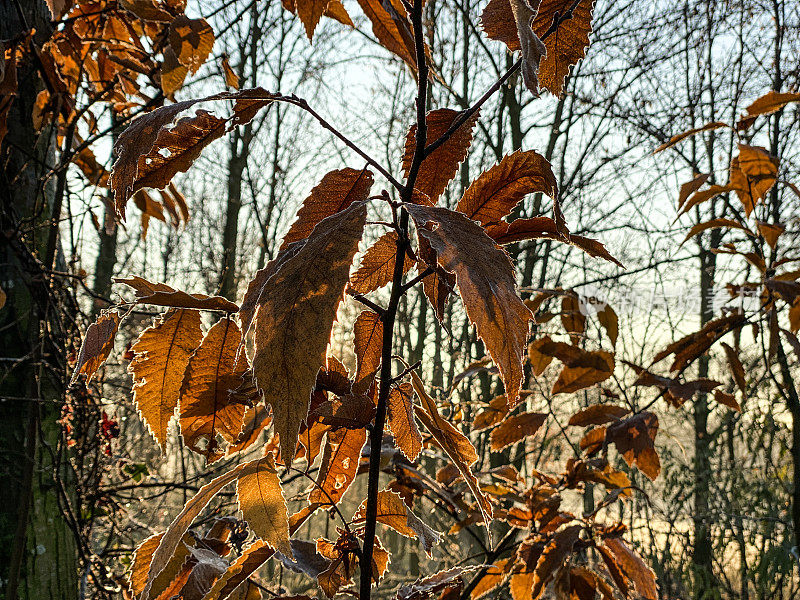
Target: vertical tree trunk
37	548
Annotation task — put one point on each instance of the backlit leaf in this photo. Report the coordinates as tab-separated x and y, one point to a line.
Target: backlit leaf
206	409
160	294
441	166
634	438
394	513
260	499
767	104
377	265
97	344
160	357
368	341
337	191
401	420
642	576
494	194
598	414
516	428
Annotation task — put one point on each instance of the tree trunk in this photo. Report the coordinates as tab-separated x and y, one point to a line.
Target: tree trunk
37	549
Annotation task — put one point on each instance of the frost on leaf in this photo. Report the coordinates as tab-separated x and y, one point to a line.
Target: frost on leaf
486	284
294	320
160	357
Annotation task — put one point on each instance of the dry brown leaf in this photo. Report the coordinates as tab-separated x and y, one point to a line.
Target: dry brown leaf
767	104
154	148
454	443
255	555
492	414
690	187
771	232
231	78
495	193
634	438
97	344
392	29
338	468
261	501
539	361
294	320
642	576
394	513
737	369
160	357
206	406
515	428
160	294
191	40
598	414
310	12
557	550
438	169
337	191
486	284
675	139
582	368
377	265
140	565
400	406
171	539
368	342
752	173
572	318
492	578
426	587
727	399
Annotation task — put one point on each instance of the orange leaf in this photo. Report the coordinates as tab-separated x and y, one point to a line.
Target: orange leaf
392	28
191	40
598	414
339	466
368	341
394	513
377	265
767	104
160	357
441	166
97	344
337	190
260	498
634	568
160	294
486	284
516	428
494	194
401	420
675	139
206	408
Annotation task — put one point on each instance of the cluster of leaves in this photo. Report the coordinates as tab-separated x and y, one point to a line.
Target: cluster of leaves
262	375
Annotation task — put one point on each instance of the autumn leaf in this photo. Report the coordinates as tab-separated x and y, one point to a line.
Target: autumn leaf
752	173
377	265
727	399
486	284
154	147
261	501
294	320
391	27
441	165
676	139
160	357
368	341
769	103
170	541
454	443
572	318
97	344
492	578
557	550
231	78
642	576
495	193
206	406
634	438
737	369
539	361
582	368
337	191
598	414
142	559
191	40
255	555
394	513
515	428
339	466
160	294
426	587
400	406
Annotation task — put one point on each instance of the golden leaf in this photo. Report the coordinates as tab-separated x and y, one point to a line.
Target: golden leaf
160	294
368	341
377	265
392	28
191	40
400	406
642	576
394	513
495	193
515	428
206	408
160	357
261	501
294	319
97	344
339	466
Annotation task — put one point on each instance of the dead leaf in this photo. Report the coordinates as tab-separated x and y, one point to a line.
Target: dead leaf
260	497
368	342
598	414
400	406
515	429
160	294
294	319
394	513
486	284
634	438
97	344
377	265
160	357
